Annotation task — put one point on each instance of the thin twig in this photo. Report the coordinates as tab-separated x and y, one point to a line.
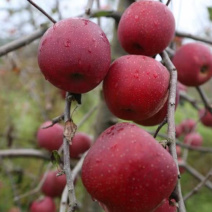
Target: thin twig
204	99
75	172
67	131
167	3
160	127
189	99
42	11
197	175
14	153
55	121
13	45
194	37
88	9
171	122
198	187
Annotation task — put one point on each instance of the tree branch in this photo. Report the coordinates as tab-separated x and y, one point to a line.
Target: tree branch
171	122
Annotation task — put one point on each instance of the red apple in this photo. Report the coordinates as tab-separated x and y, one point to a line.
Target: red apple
136	87
160	115
179	150
181	162
166	207
193	139
53	186
181	87
188	126
80	144
44	205
179	131
206	117
50	138
74	55
194	64
146	28
125	166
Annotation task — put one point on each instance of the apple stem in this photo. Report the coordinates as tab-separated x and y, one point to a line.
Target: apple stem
41	10
160	126
88	9
167	3
171	122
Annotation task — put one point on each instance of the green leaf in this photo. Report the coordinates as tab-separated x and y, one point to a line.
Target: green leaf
102	13
210	13
55	158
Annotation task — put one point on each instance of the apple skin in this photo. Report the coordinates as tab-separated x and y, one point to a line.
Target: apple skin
188	126
146	28
50	138
123	168
193	62
160	115
136	87
53	186
206	118
166	207
74	55
80	144
193	139
45	205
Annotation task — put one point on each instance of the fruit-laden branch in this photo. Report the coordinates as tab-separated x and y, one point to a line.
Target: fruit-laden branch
75	172
171	122
14	153
204	99
196	174
69	132
187	35
16	44
199	186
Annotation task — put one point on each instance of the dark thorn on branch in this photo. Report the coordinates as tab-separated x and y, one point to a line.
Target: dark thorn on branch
41	10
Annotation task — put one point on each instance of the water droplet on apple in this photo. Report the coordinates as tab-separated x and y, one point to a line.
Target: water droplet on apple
136	17
67	43
155	23
155	75
79	62
89	50
86	22
98	160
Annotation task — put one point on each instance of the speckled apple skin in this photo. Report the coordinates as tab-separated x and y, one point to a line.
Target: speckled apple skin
53	186
146	28
128	170
136	87
193	139
74	55
80	144
45	205
50	138
189	59
206	118
166	207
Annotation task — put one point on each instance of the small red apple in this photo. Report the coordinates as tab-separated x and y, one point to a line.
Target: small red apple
74	55
50	138
193	139
166	207
181	162
146	28
179	150
125	166
136	87
53	186
193	62
80	144
206	117
188	125
44	205
179	131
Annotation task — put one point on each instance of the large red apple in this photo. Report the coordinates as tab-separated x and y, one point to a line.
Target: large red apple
53	186
74	55
50	138
206	117
194	64
146	27
43	205
136	87
125	166
166	207
193	139
80	144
